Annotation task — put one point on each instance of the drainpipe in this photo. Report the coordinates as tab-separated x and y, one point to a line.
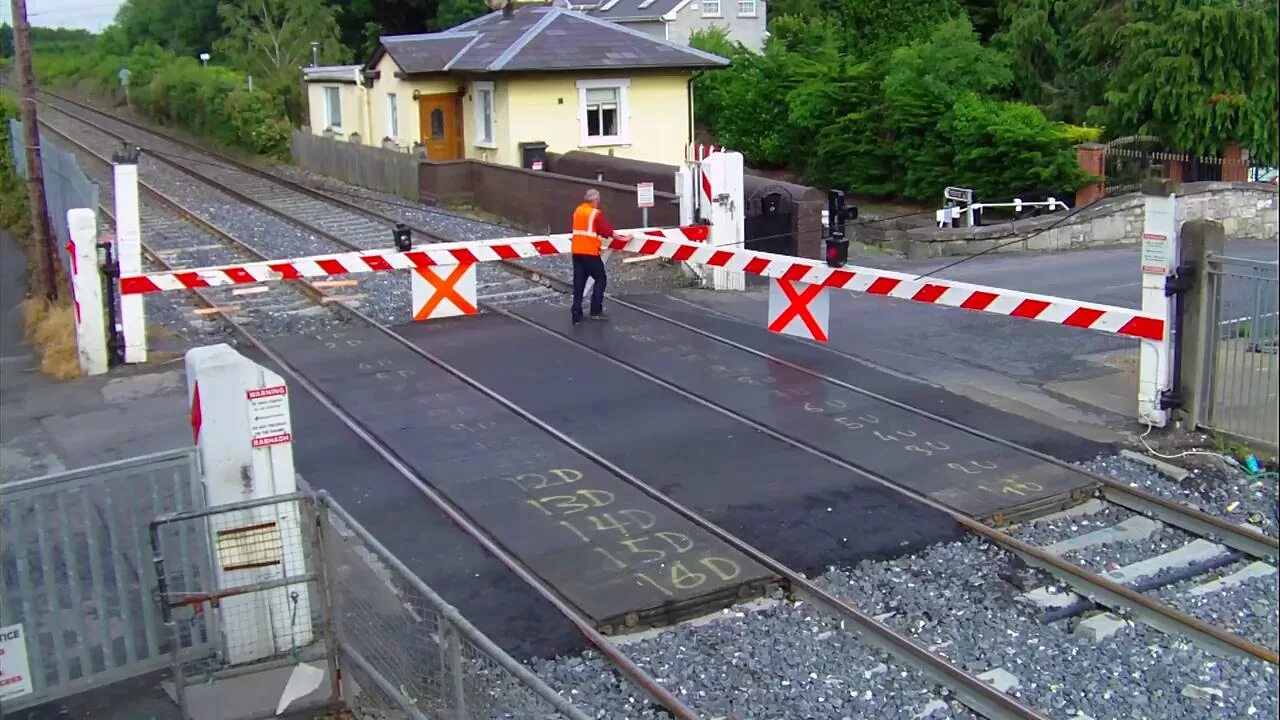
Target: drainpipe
689	91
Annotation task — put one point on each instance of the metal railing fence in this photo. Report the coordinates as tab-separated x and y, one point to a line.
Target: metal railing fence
75	570
1241	377
66	186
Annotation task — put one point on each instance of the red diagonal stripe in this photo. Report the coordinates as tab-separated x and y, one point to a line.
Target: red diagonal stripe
1083	317
545	247
1143	327
650	247
929	293
720	258
706	185
616	244
137	285
190	280
286	271
978	300
683	252
377	263
838	278
332	267
755	266
506	252
420	259
240	276
883	286
795	272
697	233
655	233
1029	308
464	256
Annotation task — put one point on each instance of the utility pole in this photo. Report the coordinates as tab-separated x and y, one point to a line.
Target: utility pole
31	132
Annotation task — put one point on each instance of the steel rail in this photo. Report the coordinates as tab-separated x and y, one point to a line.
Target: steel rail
1092	585
644	681
972	691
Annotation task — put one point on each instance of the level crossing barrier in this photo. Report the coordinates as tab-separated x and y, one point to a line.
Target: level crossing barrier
717	246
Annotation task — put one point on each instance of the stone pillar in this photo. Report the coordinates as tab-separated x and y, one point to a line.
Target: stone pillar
1092	158
1200	238
1235	163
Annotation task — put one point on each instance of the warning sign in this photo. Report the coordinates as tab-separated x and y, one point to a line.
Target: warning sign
269	416
644	195
1155	253
15	672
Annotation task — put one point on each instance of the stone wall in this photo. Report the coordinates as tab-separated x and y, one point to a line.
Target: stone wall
1246	210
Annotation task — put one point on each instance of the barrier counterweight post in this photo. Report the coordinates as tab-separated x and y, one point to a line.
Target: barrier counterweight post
1159	258
242	429
129	251
86	292
723	170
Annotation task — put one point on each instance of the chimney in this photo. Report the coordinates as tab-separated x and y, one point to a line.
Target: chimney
508	9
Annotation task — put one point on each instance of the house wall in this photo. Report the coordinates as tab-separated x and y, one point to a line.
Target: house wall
545	108
505	151
407	107
353	119
656	28
750	31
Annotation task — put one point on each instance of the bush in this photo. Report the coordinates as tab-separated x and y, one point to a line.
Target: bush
13	192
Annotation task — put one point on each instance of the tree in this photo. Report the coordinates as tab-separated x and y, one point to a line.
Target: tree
6	40
185	27
272	38
1199	74
456	12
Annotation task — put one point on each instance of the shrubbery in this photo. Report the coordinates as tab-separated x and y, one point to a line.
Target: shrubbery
213	101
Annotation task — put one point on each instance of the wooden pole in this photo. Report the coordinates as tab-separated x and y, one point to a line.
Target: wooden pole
31	132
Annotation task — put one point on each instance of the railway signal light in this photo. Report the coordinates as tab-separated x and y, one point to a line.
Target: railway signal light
403	238
837	213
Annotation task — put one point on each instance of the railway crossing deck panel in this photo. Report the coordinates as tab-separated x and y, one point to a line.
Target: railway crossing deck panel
607	548
974	476
799	508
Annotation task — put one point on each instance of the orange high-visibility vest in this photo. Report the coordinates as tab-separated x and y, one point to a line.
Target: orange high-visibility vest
585	239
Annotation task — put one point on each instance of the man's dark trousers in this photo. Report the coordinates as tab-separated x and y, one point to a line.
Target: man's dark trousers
588	266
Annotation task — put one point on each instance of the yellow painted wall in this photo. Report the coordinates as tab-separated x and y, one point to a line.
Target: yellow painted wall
545	108
387	82
353	117
505	150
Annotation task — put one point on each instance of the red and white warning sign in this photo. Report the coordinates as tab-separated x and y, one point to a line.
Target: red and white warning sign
1155	253
15	671
269	422
799	309
441	291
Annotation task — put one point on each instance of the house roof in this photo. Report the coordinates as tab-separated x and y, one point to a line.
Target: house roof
538	37
623	10
331	73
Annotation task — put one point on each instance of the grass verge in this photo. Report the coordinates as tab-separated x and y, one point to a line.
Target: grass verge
51	331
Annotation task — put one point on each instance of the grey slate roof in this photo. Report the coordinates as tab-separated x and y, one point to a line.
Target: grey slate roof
616	10
538	37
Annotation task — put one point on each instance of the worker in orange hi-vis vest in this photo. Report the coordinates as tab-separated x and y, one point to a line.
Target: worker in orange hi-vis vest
589	229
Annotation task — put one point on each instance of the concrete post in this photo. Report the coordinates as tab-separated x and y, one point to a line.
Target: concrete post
241	425
86	291
1159	258
728	225
133	319
1200	238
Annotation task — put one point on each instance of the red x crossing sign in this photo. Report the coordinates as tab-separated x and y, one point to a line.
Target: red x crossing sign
802	312
441	291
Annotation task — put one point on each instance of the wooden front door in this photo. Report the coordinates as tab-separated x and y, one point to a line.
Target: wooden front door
439	126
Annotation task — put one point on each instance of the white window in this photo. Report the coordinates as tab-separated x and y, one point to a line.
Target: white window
603	111
711	8
482	102
393	117
746	8
332	108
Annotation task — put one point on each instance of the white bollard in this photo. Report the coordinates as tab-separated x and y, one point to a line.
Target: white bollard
86	292
1160	256
243	432
129	253
728	222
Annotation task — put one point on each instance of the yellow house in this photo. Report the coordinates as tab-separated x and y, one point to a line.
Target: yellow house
515	79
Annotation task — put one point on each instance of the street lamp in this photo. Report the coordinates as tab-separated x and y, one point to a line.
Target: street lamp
204	59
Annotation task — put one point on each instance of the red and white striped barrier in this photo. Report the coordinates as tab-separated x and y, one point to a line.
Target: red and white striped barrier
682	244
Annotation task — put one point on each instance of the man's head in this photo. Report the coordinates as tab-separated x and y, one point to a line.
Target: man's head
593	197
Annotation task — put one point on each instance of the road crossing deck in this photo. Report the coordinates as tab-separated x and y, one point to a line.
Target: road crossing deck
612	552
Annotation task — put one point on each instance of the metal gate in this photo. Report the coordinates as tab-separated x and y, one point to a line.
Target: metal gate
1241	374
76	573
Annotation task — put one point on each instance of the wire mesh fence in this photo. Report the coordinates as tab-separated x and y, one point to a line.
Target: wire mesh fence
405	653
66	186
1243	375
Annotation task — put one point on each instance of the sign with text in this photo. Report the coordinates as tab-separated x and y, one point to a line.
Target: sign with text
644	195
269	422
15	671
1155	253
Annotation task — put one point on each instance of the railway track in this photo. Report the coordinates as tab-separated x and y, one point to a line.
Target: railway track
240	311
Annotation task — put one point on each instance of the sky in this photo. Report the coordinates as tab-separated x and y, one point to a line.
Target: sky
92	15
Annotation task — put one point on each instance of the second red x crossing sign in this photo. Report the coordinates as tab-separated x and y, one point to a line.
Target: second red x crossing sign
799	309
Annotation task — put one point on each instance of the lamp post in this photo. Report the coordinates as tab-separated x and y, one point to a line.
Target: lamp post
204	59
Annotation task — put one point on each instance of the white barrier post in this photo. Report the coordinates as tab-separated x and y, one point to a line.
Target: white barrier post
242	429
1160	256
728	224
86	291
129	251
